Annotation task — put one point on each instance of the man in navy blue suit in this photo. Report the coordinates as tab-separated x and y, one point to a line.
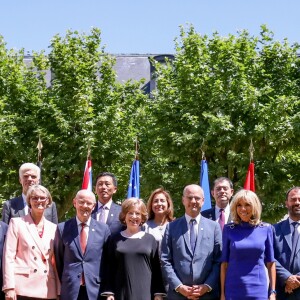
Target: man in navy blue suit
222	192
29	174
287	249
106	210
78	247
191	251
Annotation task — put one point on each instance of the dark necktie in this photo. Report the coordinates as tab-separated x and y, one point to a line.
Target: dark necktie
83	237
294	235
193	236
222	218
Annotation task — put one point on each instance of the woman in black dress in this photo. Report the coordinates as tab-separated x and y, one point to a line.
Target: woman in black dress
133	265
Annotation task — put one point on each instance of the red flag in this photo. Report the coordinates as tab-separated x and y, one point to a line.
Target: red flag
250	182
87	177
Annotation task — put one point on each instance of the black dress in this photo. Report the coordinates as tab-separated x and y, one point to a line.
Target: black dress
134	268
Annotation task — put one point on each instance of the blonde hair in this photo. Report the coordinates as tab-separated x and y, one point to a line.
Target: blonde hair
251	198
41	188
133	202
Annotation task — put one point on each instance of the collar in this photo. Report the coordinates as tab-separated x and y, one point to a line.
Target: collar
292	221
88	222
108	204
226	209
189	218
24	199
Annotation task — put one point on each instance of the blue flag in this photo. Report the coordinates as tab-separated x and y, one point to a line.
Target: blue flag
134	181
204	183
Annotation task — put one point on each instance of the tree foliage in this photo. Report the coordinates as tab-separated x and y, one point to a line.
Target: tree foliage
217	95
214	97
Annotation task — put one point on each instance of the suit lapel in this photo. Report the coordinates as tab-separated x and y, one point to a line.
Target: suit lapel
185	233
200	235
286	230
111	214
34	234
19	206
91	235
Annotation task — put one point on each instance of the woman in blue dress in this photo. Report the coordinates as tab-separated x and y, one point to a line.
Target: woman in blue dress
248	265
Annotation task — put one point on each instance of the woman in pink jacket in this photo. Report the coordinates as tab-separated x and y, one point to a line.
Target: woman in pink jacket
28	261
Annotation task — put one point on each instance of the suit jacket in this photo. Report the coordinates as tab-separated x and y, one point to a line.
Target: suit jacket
28	264
71	262
211	214
181	266
113	222
287	263
3	230
15	208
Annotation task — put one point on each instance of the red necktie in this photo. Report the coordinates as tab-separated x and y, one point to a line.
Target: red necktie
83	237
222	218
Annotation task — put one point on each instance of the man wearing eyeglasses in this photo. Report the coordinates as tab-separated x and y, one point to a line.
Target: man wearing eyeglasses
78	247
222	192
29	174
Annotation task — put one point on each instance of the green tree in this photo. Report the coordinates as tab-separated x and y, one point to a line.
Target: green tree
83	107
219	93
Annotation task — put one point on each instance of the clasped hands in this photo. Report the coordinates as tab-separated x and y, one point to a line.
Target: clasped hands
193	292
292	283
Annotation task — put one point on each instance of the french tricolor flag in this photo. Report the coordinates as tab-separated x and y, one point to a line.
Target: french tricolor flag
87	183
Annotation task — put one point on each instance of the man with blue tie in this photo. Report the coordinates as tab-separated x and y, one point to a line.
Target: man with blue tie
287	249
191	250
106	211
78	247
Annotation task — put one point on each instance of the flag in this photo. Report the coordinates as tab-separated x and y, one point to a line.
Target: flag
204	183
87	182
250	182
134	181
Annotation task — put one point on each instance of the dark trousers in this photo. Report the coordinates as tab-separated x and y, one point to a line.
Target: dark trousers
82	293
30	298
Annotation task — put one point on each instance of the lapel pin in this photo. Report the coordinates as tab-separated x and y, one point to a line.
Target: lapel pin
93	229
201	228
111	215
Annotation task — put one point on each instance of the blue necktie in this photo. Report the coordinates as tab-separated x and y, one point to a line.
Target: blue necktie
193	236
294	242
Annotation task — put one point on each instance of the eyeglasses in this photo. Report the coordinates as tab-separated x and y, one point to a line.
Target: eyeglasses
41	199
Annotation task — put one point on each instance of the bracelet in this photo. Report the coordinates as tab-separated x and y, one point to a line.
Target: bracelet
272	292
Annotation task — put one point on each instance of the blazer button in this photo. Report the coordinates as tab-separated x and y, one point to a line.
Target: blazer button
45	271
35	258
33	247
35	270
79	275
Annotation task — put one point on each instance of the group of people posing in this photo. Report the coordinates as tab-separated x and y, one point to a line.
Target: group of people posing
138	251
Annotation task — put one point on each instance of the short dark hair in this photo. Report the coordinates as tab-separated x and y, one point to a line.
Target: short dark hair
223	179
115	182
289	190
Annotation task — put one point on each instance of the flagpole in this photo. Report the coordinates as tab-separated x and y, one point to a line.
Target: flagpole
39	157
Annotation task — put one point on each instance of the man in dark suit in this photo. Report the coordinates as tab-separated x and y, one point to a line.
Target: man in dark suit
78	248
191	251
106	210
3	230
222	192
287	249
29	174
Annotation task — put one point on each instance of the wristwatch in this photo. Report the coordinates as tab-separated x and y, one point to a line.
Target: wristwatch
272	292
